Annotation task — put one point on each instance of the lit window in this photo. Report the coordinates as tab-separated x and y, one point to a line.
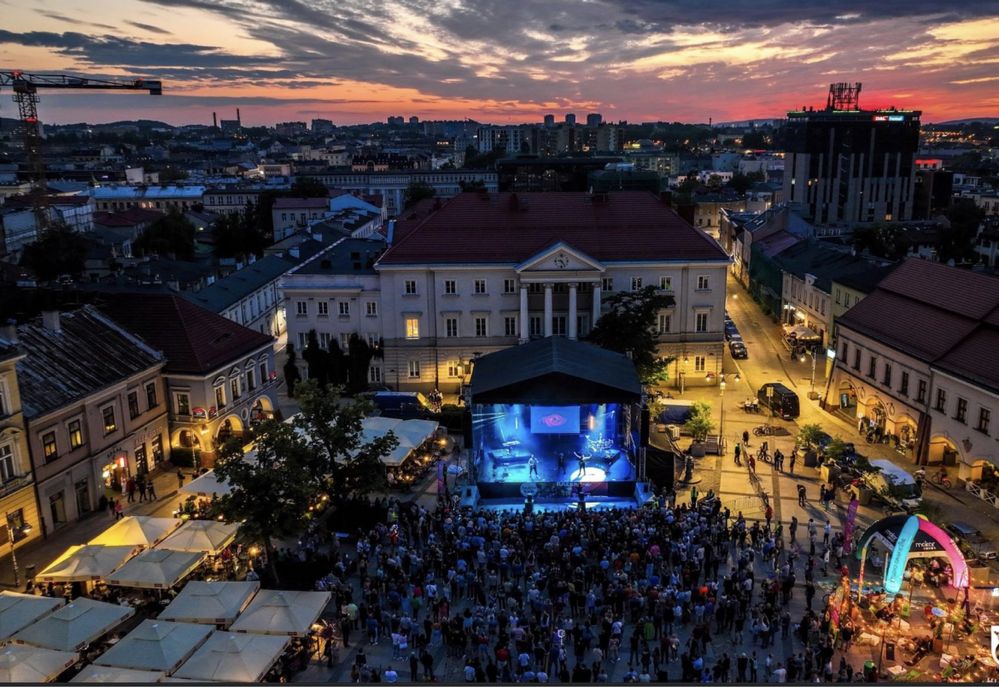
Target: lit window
49	447
412	327
75	430
110	424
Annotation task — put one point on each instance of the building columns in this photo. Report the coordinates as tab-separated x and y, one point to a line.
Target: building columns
548	309
596	305
524	320
572	311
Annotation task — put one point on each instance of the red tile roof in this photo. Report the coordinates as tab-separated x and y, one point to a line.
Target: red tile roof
195	340
510	228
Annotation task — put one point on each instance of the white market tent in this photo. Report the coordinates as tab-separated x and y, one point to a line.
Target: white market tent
86	563
75	625
213	603
156	645
207	485
209	536
17	611
228	657
410	433
137	530
287	613
156	569
104	675
21	664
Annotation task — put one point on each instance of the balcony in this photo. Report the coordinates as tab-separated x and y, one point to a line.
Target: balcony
15	484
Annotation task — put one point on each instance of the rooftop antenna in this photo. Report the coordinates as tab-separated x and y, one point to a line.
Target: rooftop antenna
843	96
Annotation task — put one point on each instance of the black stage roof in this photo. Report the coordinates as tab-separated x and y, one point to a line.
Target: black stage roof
555	371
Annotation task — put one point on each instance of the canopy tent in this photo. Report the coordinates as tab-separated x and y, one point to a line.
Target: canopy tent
208	484
137	530
156	569
86	563
208	536
287	613
214	603
75	625
410	433
800	332
17	611
156	645
105	675
228	657
29	664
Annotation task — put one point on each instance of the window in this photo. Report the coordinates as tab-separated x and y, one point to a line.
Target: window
412	327
75	431
372	308
636	283
886	378
480	286
453	369
701	322
110	424
323	308
702	282
921	394
374	374
151	401
220	396
183	402
837	296
941	400
7	463
141	466
409	287
414	369
49	448
57	507
536	328
234	389
262	369
303	341
962	411
133	404
510	326
903	388
607	283
984	416
481	328
302	308
666	283
324	340
509	286
156	449
251	380
699	363
344	308
3	400
664	324
844	352
872	367
558	325
344	342
450	287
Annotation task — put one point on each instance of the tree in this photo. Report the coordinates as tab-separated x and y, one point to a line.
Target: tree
417	191
359	355
58	251
958	242
172	234
317	360
699	424
629	326
810	435
308	187
238	235
755	140
291	374
883	240
835	450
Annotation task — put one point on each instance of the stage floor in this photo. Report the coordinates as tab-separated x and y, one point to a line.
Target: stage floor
620	470
557	505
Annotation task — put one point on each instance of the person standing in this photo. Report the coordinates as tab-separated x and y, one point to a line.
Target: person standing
150	491
794	459
738	454
180	478
801	495
130	489
532	464
745	437
119	510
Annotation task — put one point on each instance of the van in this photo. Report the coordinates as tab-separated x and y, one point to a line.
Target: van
782	401
897	483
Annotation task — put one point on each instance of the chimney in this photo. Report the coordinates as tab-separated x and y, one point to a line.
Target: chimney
9	331
215	121
238	121
50	320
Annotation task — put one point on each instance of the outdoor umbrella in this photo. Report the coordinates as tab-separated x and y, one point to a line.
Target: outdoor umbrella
214	603
75	625
287	613
156	645
207	484
21	664
104	674
86	563
156	569
228	657
17	611
137	530
209	536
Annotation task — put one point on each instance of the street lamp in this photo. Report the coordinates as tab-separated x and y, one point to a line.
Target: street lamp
683	374
802	359
24	529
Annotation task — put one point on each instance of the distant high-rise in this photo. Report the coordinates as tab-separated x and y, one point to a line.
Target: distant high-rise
570	119
845	165
549	121
323	126
594	119
414	120
396	121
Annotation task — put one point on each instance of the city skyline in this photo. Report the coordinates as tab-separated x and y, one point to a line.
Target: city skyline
633	60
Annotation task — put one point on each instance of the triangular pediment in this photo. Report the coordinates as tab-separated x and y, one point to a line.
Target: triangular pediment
560	257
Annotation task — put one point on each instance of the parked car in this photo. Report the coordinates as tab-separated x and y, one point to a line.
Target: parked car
894	484
973	538
781	400
738	349
731	331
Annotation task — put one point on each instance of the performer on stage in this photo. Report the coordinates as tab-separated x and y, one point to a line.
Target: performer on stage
561	463
582	464
532	463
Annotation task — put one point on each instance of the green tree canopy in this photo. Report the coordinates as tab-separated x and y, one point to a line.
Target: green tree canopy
630	326
239	235
308	187
58	251
171	234
958	243
417	191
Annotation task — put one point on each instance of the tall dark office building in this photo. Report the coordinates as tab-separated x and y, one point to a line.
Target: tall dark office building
845	165
570	119
594	119
549	121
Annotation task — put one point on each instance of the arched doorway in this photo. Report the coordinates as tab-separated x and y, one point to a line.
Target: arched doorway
877	415
985	475
943	450
847	399
263	409
231	426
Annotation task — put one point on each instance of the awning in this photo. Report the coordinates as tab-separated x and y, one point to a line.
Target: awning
29	664
86	563
156	569
137	530
213	603
75	625
207	485
156	645
17	611
229	657
209	536
287	613
102	675
410	433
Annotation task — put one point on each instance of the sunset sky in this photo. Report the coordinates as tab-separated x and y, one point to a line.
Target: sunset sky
504	60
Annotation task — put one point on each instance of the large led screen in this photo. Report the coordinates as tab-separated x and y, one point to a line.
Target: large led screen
555	419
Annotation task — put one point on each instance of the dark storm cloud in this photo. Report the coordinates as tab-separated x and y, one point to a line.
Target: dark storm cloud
148	27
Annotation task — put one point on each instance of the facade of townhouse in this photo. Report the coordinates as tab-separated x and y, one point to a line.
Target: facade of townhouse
17	493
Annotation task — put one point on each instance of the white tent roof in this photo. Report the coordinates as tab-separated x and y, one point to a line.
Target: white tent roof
282	612
17	611
156	569
209	536
86	563
75	625
30	664
229	657
207	484
137	530
214	603
104	674
156	645
410	433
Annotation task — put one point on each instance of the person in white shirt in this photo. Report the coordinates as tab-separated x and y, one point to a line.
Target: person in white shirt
780	673
391	676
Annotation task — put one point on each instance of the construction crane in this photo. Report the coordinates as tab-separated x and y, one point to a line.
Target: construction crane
25	87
